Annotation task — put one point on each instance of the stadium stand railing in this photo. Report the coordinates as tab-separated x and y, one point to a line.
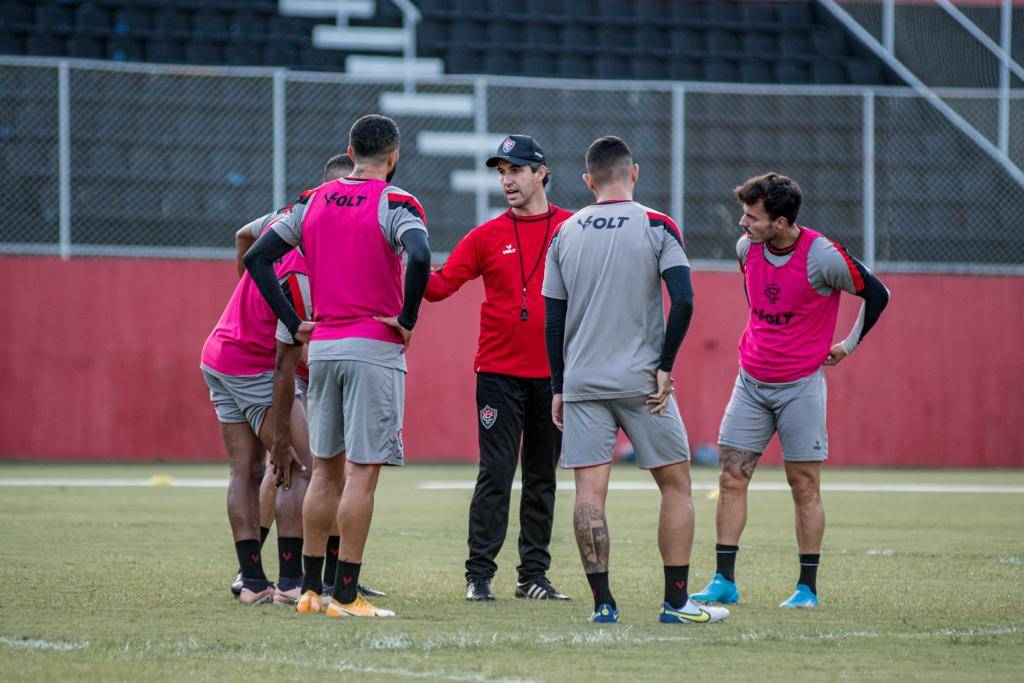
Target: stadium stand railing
126	159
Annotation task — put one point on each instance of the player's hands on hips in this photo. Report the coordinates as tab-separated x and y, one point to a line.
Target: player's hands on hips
659	399
304	332
556	411
393	322
282	458
835	354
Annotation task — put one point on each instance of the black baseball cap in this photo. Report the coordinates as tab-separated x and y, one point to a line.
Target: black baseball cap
518	150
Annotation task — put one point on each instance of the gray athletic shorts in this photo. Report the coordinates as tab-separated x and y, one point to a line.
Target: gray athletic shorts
590	429
240	398
356	408
795	409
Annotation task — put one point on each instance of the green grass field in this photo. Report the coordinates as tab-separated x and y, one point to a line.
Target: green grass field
107	583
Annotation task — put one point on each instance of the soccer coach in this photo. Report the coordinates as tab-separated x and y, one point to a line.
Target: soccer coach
513	385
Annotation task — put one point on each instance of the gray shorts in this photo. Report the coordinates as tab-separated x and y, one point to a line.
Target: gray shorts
356	408
240	398
795	409
590	429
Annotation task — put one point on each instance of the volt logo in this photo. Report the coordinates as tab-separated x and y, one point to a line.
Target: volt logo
343	199
602	223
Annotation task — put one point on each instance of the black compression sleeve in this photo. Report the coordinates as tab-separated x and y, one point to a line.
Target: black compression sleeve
417	272
554	335
876	298
680	292
259	261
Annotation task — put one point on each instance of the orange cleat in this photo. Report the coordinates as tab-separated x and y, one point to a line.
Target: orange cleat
360	608
310	603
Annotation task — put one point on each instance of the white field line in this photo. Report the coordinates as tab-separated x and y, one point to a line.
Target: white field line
468	485
761	486
38	644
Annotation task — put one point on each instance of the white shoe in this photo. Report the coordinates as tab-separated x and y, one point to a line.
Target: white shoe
692	613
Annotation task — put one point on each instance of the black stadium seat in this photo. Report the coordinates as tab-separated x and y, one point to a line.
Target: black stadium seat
756	71
91	19
720	71
540	63
787	71
16	17
501	61
827	73
171	22
204	53
53	19
122	49
165	50
84	47
44	45
132	22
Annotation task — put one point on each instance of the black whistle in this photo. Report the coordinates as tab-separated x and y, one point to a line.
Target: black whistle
523	315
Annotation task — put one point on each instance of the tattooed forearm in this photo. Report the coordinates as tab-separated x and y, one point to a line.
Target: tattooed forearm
591	537
739	462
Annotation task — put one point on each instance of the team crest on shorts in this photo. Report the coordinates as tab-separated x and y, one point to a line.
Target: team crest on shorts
508	145
773	292
488	416
401	441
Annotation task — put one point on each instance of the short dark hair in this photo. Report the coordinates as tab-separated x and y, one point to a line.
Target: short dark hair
607	157
781	195
372	137
547	176
338	164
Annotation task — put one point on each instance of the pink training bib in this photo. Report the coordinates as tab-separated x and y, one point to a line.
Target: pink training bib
243	341
790	328
354	274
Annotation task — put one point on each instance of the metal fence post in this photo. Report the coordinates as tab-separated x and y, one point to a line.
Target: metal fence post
280	131
480	128
64	157
678	152
868	175
889	25
1004	78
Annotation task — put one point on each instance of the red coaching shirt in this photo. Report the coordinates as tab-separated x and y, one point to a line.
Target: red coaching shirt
509	252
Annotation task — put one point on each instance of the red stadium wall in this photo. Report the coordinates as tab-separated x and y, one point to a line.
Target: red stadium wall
101	362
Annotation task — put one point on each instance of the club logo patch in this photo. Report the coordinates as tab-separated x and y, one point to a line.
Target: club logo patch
488	416
400	439
508	145
773	292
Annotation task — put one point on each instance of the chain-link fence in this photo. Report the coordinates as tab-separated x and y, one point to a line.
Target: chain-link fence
137	160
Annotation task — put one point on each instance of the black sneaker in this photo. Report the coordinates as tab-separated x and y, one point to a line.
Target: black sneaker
236	585
479	590
539	589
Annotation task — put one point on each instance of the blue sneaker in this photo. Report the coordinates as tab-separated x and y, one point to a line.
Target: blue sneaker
605	614
718	590
691	613
802	598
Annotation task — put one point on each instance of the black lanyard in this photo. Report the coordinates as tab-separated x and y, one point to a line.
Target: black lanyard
519	250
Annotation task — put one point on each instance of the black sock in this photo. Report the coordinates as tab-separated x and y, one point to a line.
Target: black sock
289	557
331	560
675	584
264	532
311	581
599	587
809	571
249	560
345	582
726	557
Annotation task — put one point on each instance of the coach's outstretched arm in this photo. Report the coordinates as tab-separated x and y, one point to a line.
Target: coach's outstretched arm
417	272
259	261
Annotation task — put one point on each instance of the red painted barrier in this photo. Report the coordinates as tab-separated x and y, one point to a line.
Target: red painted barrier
100	360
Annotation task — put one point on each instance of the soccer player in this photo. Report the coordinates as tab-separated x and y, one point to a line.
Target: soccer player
611	355
793	277
353	231
238	362
513	382
287	355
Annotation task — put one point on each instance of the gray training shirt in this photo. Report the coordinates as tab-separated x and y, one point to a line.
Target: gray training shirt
606	261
